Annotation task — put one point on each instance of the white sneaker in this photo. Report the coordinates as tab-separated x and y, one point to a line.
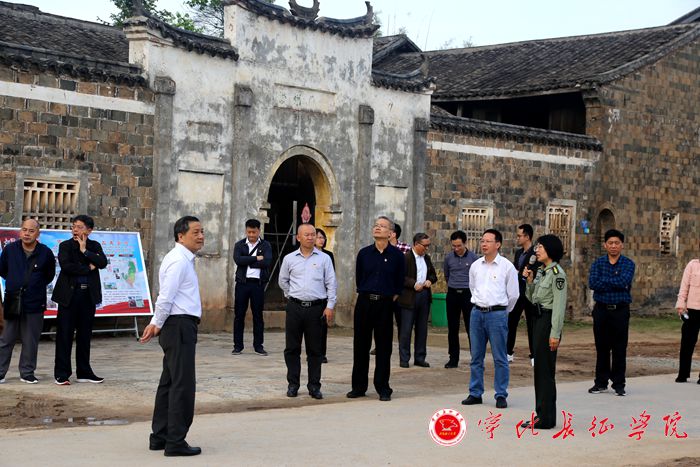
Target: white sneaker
510	358
2	380
532	362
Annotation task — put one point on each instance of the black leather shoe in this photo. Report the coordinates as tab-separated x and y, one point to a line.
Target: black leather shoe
385	397
501	403
316	394
681	380
184	450
155	443
324	359
472	400
423	364
355	394
292	392
451	364
403	364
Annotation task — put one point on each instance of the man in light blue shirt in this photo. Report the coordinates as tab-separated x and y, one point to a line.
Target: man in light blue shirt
308	281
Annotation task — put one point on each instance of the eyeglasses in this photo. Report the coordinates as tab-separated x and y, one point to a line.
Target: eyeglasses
424	245
487	241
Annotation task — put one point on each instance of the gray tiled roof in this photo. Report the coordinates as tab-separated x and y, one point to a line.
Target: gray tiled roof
531	67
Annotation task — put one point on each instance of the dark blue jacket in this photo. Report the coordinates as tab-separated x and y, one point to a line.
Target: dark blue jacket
244	260
13	268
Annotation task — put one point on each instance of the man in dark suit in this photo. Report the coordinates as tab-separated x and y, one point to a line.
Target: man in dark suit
78	291
415	301
253	256
522	260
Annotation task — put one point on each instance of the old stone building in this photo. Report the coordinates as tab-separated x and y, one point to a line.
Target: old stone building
139	126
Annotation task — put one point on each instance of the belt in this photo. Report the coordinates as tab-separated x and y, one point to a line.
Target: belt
252	280
376	297
455	290
309	303
83	286
490	308
615	306
542	309
188	317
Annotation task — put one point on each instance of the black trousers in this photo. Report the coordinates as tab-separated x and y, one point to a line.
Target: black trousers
458	303
372	317
28	329
78	317
523	304
689	337
545	367
324	336
610	331
253	292
174	407
415	317
303	323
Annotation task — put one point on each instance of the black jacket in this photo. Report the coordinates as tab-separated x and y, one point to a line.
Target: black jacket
13	267
408	294
245	260
522	282
73	264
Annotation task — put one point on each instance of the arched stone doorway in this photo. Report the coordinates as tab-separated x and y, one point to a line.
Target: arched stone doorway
605	222
301	177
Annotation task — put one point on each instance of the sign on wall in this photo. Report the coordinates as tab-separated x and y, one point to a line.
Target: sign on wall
125	290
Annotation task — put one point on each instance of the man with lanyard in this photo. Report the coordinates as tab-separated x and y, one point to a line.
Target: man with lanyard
494	285
458	301
611	279
379	275
307	279
177	314
29	266
522	261
253	256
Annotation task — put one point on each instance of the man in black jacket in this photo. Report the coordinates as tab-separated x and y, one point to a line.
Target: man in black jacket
253	256
522	260
16	258
78	290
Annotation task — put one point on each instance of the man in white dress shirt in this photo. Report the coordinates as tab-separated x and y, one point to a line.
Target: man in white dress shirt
493	282
307	279
178	311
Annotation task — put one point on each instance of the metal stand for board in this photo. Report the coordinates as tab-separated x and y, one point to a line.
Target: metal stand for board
135	329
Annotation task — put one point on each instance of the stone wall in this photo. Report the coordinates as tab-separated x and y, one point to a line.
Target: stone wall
56	127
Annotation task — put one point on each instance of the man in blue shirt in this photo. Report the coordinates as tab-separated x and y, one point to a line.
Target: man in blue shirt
16	258
611	279
379	275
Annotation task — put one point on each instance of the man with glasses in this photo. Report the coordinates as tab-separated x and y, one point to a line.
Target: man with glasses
379	275
522	260
78	291
415	301
493	282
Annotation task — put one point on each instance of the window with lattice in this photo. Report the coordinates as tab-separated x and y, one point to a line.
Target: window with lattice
52	203
560	223
476	219
668	233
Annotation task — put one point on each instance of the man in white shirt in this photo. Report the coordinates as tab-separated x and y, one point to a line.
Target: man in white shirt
493	282
307	279
177	313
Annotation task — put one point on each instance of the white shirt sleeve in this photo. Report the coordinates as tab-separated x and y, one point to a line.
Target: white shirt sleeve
512	286
170	279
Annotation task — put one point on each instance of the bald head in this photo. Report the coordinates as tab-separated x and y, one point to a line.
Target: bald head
29	233
306	236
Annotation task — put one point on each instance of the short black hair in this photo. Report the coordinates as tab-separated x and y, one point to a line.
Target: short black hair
553	246
182	226
325	237
496	233
397	230
252	224
614	233
417	238
85	219
527	230
458	235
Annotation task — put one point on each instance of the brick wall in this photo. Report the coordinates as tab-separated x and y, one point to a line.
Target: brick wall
649	125
111	146
520	191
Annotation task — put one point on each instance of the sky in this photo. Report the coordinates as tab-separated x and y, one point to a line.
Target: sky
433	24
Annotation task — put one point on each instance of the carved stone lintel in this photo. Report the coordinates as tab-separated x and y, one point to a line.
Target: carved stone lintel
366	115
242	96
164	85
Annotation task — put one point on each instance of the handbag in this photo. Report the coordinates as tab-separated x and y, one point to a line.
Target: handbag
12	305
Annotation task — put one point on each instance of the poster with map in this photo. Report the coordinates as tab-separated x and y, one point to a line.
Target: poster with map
125	290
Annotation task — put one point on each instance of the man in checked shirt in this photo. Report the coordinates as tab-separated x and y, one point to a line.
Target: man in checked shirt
611	279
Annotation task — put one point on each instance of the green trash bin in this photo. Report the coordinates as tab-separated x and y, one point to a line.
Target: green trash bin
438	311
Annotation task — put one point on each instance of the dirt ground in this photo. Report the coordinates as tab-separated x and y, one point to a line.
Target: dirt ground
248	382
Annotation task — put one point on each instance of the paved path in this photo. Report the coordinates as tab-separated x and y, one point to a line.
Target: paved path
369	432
